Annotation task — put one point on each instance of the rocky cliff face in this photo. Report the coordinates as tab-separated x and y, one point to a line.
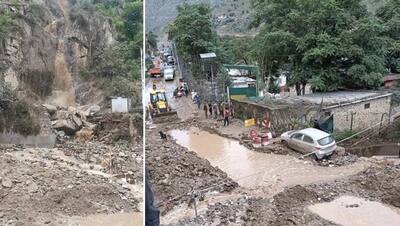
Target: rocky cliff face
53	43
230	17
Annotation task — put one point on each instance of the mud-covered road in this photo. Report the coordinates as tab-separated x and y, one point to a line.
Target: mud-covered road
238	186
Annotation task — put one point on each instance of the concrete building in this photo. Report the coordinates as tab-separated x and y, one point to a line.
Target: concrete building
352	110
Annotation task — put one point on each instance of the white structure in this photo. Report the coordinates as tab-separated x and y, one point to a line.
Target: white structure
120	104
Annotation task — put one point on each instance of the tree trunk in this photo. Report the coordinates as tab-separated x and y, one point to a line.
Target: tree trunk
298	89
303	89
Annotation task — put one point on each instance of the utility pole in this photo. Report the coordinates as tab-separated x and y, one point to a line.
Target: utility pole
177	59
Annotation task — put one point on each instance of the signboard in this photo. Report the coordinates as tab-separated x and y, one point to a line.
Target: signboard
249	122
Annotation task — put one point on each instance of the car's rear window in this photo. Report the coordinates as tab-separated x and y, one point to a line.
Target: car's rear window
325	141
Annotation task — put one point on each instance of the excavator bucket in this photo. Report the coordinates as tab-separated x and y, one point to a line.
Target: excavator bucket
165	117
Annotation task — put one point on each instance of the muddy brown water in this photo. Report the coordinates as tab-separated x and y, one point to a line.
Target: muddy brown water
251	169
354	211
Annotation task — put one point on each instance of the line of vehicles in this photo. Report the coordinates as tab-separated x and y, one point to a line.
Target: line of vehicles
164	65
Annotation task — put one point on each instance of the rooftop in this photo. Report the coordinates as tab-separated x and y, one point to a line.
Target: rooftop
391	77
339	97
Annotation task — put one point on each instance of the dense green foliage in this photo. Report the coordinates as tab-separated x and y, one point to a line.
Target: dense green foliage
127	19
117	67
390	16
6	26
151	39
192	31
332	43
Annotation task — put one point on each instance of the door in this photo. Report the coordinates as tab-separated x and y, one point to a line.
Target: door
295	141
307	144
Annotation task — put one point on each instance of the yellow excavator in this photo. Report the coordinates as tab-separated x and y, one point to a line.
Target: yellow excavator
158	105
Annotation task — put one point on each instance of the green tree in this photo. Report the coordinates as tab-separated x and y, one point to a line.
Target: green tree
192	31
152	40
390	15
271	49
6	27
336	42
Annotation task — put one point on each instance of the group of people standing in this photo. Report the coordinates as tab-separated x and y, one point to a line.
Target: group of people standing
216	111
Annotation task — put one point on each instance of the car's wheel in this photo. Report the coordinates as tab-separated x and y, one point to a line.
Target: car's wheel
284	142
314	156
328	156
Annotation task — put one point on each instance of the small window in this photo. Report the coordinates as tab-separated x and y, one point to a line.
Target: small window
297	136
308	139
366	106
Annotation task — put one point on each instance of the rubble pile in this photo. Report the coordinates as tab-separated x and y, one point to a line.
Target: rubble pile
121	159
113	127
289	207
51	187
232	212
175	172
87	123
68	121
82	175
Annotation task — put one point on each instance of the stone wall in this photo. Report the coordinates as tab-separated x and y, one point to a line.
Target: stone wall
359	116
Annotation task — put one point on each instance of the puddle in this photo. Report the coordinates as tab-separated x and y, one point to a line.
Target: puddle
353	211
251	169
119	219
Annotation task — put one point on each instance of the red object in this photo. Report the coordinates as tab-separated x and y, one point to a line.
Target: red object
155	71
257	140
226	113
253	134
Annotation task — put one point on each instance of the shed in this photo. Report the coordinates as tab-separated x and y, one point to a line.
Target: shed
391	80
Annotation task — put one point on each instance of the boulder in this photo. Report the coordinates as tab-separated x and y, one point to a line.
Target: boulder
66	125
7	183
340	151
77	121
51	109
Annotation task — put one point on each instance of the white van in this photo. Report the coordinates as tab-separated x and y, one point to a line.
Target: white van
168	74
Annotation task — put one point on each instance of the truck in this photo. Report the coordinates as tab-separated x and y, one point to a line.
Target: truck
169	74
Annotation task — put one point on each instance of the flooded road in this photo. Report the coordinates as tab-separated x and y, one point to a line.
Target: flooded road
251	169
353	211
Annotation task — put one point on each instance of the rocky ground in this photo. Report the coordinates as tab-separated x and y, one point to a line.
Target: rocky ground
378	183
96	167
175	171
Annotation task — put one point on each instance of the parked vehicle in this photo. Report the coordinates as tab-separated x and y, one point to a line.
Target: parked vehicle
170	60
169	74
310	140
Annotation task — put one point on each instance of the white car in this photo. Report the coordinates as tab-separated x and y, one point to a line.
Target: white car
310	140
168	74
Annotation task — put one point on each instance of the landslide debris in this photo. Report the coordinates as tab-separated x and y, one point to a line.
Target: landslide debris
175	172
